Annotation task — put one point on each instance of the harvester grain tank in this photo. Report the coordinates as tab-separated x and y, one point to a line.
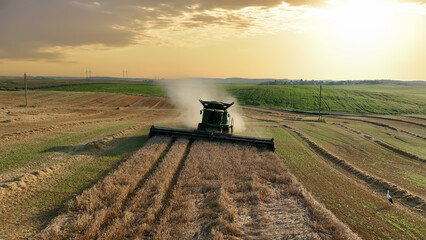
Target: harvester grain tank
216	125
216	117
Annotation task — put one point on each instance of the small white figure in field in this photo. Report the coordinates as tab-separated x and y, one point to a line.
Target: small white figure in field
389	197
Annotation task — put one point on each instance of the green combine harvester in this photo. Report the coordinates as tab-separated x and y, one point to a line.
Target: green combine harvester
216	125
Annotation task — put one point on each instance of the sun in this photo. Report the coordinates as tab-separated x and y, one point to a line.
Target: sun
361	22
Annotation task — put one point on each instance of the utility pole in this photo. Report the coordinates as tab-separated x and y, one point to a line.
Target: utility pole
26	96
319	109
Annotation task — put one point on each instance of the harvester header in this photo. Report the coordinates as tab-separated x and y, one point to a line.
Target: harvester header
216	125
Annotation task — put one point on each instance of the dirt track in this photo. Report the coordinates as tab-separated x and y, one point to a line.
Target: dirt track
176	189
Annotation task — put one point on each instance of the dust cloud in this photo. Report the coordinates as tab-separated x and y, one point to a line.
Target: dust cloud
185	94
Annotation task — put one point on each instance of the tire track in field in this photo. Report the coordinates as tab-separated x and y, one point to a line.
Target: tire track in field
416	117
139	216
169	192
415	202
140	184
224	188
383	144
88	211
148	175
247	194
383	125
397	120
92	230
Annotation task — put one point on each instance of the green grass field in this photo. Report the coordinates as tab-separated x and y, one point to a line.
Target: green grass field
18	84
146	89
358	99
365	99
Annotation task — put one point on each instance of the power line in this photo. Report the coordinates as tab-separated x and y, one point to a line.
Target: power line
26	96
88	74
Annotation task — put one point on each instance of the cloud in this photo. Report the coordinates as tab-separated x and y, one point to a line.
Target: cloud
40	29
187	5
315	3
236	4
415	1
30	28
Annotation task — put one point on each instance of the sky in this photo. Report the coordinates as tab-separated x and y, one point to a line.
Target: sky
308	39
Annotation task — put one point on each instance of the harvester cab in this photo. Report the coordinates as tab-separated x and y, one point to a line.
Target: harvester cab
216	117
216	125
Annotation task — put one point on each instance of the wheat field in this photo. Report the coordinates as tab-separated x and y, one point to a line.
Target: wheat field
182	189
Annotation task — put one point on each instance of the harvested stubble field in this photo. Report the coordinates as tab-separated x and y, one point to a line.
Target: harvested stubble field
62	145
379	162
177	189
72	167
350	173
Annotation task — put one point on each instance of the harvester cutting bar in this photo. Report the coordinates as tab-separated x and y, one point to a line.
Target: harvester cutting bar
197	134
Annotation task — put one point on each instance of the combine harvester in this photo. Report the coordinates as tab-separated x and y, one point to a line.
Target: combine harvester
216	125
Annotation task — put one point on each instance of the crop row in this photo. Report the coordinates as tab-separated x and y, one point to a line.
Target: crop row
180	190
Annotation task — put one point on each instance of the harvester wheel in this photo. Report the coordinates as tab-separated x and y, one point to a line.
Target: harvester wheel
200	127
232	126
226	130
